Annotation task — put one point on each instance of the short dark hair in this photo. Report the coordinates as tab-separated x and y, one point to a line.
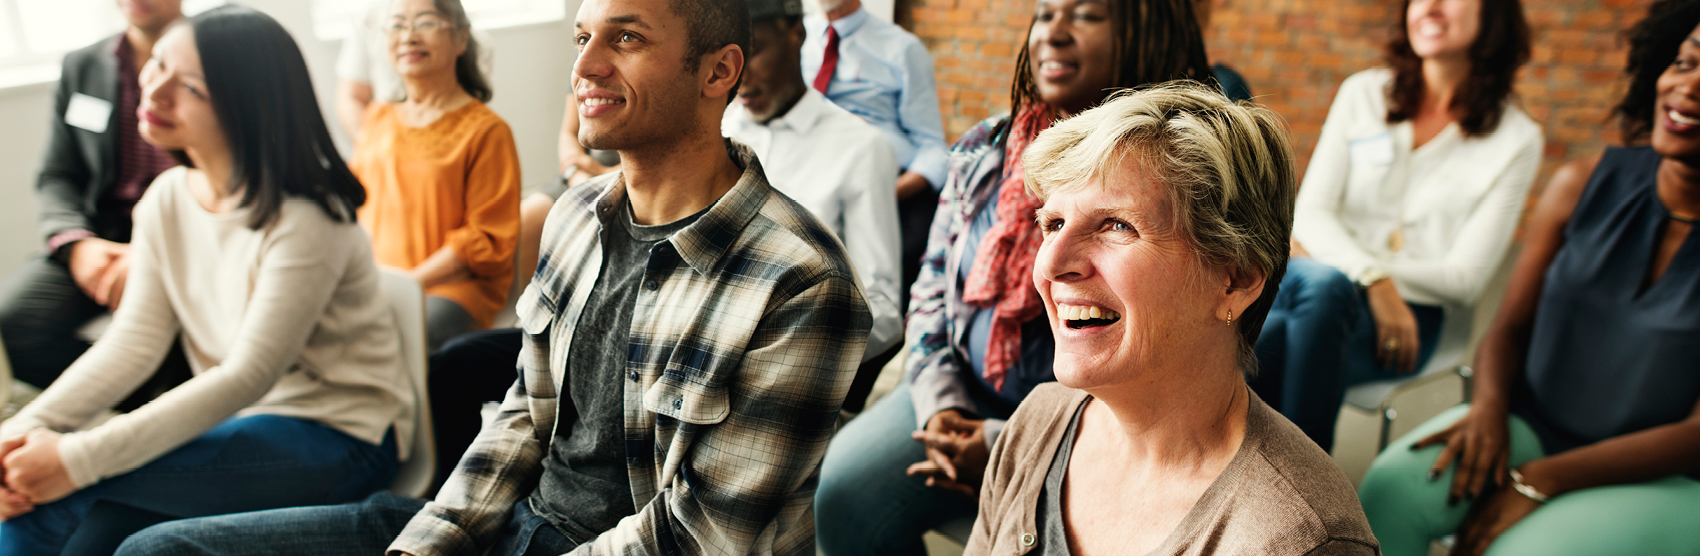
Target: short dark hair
259	88
467	73
1653	44
1501	46
1155	41
714	24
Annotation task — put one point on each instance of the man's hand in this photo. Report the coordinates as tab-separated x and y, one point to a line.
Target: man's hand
909	184
35	470
111	288
1490	517
956	453
90	260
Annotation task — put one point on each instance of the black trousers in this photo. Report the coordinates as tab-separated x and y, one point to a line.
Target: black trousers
41	309
470	370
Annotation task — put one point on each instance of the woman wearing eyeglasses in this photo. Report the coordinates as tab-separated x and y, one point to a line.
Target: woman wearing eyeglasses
441	171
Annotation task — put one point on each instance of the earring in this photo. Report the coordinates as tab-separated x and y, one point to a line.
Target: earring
1230	317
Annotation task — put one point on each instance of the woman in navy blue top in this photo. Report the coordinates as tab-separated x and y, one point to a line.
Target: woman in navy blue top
1584	436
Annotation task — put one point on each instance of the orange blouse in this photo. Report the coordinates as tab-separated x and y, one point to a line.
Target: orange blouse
454	182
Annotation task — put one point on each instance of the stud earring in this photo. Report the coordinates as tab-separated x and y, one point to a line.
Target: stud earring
1230	317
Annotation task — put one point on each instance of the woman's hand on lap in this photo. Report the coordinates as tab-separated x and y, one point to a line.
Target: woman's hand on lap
1395	328
35	470
1489	518
956	453
1479	444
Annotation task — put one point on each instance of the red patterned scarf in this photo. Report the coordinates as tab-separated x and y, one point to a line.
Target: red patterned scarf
1002	277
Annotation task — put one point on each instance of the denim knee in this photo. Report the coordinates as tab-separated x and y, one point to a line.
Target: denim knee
1316	287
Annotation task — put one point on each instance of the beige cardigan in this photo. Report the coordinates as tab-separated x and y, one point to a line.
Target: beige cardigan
286	320
1280	495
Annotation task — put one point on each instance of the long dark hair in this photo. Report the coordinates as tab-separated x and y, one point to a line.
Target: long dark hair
1501	46
258	85
1155	41
467	73
1653	44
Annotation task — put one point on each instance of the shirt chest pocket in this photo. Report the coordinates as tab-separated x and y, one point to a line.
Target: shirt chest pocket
690	395
1369	161
536	315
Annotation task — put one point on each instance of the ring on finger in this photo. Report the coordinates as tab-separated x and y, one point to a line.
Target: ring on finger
1390	344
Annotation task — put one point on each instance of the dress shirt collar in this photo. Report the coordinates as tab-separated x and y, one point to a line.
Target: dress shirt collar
848	25
800	119
704	242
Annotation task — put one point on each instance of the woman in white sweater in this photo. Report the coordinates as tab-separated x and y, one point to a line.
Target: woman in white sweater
249	256
1408	207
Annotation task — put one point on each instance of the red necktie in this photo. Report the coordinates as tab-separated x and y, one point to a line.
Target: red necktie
828	64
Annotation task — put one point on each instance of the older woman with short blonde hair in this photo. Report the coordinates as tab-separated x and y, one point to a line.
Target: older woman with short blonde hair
1166	219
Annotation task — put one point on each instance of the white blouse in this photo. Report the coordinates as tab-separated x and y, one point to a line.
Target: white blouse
1437	219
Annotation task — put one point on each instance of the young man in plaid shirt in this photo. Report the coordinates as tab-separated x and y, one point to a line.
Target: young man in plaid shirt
689	337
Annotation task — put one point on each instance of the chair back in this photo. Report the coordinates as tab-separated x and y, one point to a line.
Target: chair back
407	302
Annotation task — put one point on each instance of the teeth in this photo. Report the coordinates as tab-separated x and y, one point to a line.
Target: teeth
1430	29
1681	119
601	101
1082	312
1052	65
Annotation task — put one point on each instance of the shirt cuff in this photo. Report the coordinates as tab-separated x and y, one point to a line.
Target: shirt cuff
74	455
64	239
992	429
937	392
931	163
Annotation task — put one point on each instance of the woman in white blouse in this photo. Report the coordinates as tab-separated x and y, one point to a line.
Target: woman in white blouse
249	256
1407	209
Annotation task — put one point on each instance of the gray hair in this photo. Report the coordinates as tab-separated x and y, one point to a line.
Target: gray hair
1229	168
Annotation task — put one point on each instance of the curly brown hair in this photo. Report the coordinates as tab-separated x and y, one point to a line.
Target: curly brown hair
1653	44
1501	46
1155	41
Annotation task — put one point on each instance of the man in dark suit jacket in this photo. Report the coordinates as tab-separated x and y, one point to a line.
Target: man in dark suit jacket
97	167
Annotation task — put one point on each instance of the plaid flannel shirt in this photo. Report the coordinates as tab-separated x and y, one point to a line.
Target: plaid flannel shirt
938	318
747	330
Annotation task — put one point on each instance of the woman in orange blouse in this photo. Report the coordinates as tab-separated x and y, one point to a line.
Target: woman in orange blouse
441	172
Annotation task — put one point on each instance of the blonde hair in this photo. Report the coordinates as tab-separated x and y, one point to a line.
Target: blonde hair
1229	168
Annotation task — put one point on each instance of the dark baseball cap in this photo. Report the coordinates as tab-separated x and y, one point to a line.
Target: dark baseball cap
763	9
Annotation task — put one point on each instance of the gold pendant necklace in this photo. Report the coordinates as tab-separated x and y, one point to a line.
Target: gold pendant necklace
1396	240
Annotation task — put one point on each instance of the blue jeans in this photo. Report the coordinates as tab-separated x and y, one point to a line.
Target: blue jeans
363	529
1318	340
244	464
866	504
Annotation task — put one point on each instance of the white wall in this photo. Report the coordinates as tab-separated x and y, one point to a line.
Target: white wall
533	64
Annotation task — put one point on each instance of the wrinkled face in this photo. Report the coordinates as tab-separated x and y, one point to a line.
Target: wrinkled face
150	14
773	72
1071	53
1676	118
176	113
1443	28
1123	289
422	41
632	81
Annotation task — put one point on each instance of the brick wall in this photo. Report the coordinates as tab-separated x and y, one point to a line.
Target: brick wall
1295	53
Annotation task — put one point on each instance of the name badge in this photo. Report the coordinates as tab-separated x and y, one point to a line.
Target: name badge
1376	150
88	112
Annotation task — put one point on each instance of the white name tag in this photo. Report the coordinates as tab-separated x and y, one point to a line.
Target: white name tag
89	113
1375	150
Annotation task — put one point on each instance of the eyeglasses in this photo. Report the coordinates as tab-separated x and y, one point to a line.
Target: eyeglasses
423	25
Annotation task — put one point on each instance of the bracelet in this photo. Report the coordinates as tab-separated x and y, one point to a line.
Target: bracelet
1526	490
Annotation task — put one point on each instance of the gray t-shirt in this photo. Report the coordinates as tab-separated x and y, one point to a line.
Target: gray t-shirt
584	489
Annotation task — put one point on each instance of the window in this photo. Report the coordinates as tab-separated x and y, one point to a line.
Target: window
35	34
334	19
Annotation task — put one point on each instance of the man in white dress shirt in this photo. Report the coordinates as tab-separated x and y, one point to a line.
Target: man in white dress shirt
841	168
